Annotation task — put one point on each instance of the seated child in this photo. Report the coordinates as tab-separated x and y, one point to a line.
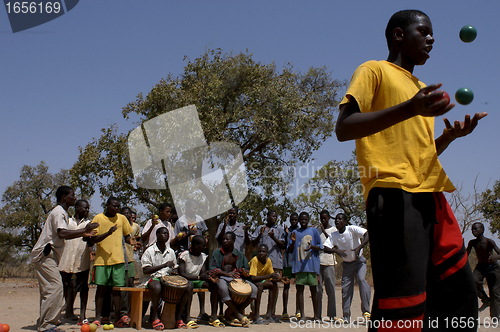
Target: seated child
192	267
264	277
305	243
229	263
158	261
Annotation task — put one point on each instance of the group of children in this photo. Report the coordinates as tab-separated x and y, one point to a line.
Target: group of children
305	255
283	255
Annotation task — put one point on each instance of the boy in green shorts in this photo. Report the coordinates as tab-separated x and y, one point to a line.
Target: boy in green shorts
109	264
264	277
305	244
192	267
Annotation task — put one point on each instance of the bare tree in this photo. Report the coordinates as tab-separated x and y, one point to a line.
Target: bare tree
466	206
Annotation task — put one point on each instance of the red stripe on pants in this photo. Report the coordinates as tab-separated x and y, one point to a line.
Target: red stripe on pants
447	236
401	302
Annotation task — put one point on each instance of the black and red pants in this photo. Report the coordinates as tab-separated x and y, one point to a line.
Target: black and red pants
421	276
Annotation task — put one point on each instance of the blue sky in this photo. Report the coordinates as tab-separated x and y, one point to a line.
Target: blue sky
65	80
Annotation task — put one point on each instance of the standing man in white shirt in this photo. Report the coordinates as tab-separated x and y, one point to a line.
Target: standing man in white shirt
326	268
46	255
348	243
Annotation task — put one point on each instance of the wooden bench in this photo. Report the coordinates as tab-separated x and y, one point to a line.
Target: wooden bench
200	290
137	297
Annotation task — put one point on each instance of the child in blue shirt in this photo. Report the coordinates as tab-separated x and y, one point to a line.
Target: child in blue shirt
305	243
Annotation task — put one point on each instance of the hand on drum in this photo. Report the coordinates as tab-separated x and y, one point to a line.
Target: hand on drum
246	273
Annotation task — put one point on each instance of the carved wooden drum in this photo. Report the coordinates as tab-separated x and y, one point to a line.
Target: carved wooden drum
172	288
239	290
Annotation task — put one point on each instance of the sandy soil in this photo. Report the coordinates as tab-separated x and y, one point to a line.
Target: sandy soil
19	307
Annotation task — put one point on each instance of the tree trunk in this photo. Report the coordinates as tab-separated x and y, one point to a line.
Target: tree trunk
212	224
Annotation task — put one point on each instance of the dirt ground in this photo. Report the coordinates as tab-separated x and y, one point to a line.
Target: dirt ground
19	307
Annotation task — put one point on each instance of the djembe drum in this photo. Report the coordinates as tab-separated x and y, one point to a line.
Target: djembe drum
172	289
239	290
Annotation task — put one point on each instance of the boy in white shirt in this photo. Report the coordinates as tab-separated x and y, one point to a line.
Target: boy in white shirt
350	241
158	261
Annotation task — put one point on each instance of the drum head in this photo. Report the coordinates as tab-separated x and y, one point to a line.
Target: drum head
174	280
240	286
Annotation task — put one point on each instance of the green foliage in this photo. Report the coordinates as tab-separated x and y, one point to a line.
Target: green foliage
335	186
276	117
26	205
490	202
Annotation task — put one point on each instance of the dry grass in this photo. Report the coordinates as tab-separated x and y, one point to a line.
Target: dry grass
16	271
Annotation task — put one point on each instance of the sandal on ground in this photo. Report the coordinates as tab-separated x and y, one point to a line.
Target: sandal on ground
285	317
126	319
245	322
235	322
83	322
275	320
121	323
97	322
216	323
261	321
192	324
204	317
180	324
158	325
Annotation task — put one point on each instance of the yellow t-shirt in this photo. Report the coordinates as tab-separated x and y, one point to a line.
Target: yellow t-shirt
110	250
404	155
259	269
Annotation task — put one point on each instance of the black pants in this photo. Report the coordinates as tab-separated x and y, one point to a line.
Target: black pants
492	274
421	275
